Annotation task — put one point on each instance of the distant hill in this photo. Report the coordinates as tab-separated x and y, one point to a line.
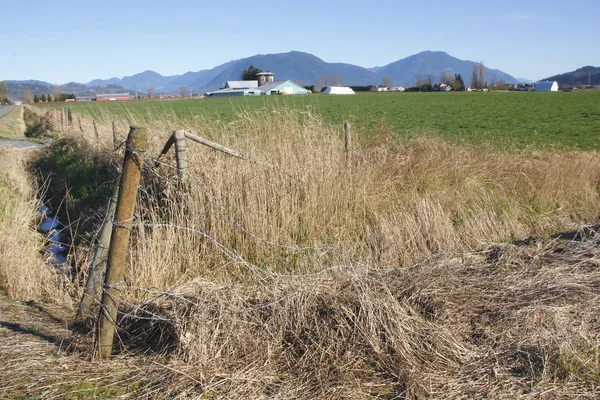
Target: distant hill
525	80
305	69
32	82
141	81
16	89
578	77
198	80
407	71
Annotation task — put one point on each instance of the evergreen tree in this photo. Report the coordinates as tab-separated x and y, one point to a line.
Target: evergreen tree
249	74
36	99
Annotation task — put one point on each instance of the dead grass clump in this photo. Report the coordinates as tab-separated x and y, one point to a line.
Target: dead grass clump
509	321
342	335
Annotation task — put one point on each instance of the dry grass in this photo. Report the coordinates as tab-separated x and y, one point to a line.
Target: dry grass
24	274
11	124
505	321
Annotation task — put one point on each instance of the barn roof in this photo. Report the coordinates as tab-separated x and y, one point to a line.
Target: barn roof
241	84
113	95
267	87
544	85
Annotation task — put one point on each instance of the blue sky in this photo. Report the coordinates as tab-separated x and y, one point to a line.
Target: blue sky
61	41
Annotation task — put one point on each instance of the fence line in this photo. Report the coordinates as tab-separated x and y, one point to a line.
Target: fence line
124	220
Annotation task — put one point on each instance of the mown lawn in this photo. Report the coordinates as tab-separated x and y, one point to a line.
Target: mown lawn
512	119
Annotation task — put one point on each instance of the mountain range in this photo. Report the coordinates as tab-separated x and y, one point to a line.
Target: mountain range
583	76
308	69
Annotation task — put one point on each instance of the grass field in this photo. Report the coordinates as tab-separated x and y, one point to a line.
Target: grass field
515	119
311	274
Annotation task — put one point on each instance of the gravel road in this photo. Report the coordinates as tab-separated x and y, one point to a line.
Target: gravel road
5	109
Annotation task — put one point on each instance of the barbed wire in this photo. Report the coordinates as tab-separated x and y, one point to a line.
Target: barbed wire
231	219
263	274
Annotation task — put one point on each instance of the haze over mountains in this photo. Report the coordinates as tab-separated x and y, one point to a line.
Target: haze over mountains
308	69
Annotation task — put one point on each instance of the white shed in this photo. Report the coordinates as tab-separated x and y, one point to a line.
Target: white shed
546	86
339	90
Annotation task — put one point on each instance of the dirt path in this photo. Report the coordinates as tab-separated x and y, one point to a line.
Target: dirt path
12	130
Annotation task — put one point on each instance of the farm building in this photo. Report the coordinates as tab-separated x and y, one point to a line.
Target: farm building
339	90
264	77
240	84
265	85
232	92
546	87
282	87
112	97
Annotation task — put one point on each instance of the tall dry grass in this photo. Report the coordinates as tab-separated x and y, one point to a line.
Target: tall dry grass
239	320
24	273
392	204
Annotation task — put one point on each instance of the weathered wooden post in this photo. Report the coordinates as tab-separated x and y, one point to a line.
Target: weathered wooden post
93	287
69	117
62	122
79	121
117	253
347	140
115	142
95	129
180	153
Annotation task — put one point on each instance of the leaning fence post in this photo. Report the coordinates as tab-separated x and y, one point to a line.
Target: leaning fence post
117	253
180	153
347	140
93	287
95	128
69	117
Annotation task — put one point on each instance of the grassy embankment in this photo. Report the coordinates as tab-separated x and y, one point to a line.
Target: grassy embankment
11	124
505	321
23	272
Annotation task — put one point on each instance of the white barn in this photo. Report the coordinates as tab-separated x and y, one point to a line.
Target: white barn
546	86
339	90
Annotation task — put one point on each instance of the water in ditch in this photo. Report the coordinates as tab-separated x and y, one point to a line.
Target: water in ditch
56	250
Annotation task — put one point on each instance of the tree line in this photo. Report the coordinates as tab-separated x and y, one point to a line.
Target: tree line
48	98
4	100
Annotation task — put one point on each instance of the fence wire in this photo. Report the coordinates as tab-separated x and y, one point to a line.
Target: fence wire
138	311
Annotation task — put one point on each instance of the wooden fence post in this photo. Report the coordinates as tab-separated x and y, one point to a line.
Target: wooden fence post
69	117
95	128
79	122
115	142
93	287
117	253
180	153
62	123
347	140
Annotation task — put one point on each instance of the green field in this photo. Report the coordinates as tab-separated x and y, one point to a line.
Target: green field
512	119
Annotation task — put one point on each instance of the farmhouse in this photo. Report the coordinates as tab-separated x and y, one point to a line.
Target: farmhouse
264	85
546	87
112	97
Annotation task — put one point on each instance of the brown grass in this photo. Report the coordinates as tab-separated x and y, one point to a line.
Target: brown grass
473	319
24	274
